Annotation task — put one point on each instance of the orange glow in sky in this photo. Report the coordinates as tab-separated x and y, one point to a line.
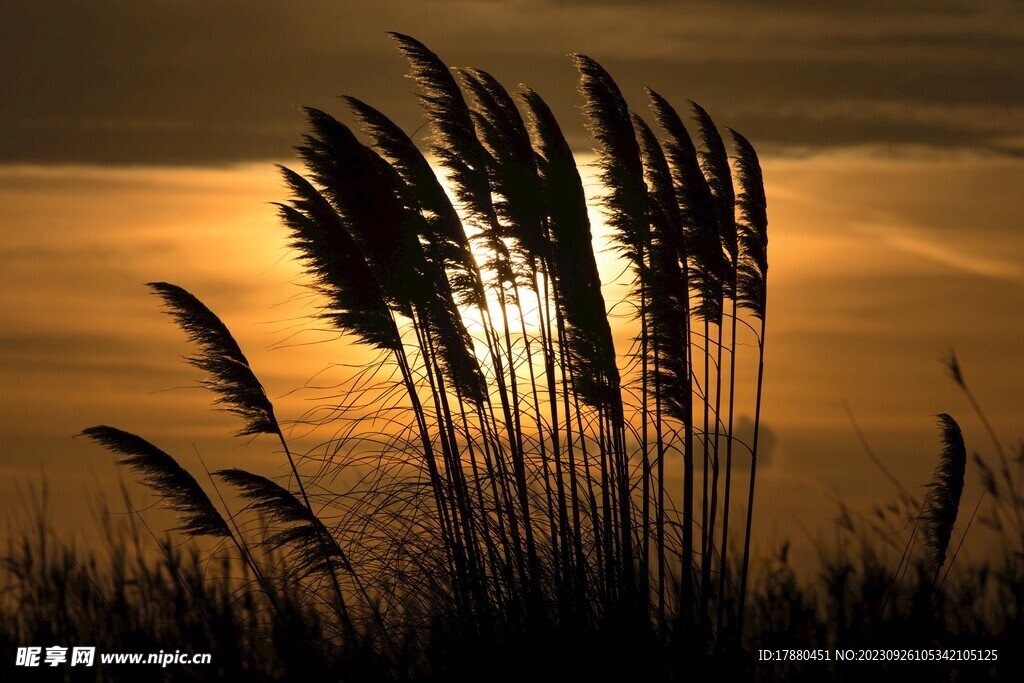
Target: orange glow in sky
878	266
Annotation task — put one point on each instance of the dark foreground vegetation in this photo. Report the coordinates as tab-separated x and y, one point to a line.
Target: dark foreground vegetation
529	501
125	596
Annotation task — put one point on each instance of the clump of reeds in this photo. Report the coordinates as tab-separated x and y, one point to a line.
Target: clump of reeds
523	469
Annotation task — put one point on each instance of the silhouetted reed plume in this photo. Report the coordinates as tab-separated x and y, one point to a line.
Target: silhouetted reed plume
943	500
177	488
228	372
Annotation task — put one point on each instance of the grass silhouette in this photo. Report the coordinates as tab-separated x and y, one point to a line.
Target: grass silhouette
521	506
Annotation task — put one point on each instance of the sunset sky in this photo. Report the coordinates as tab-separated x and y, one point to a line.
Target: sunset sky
139	139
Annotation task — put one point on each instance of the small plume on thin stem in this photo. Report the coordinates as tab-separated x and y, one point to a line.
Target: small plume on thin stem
160	472
230	376
609	121
943	501
752	228
305	534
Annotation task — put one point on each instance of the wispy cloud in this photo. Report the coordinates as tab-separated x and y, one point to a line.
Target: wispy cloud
927	246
